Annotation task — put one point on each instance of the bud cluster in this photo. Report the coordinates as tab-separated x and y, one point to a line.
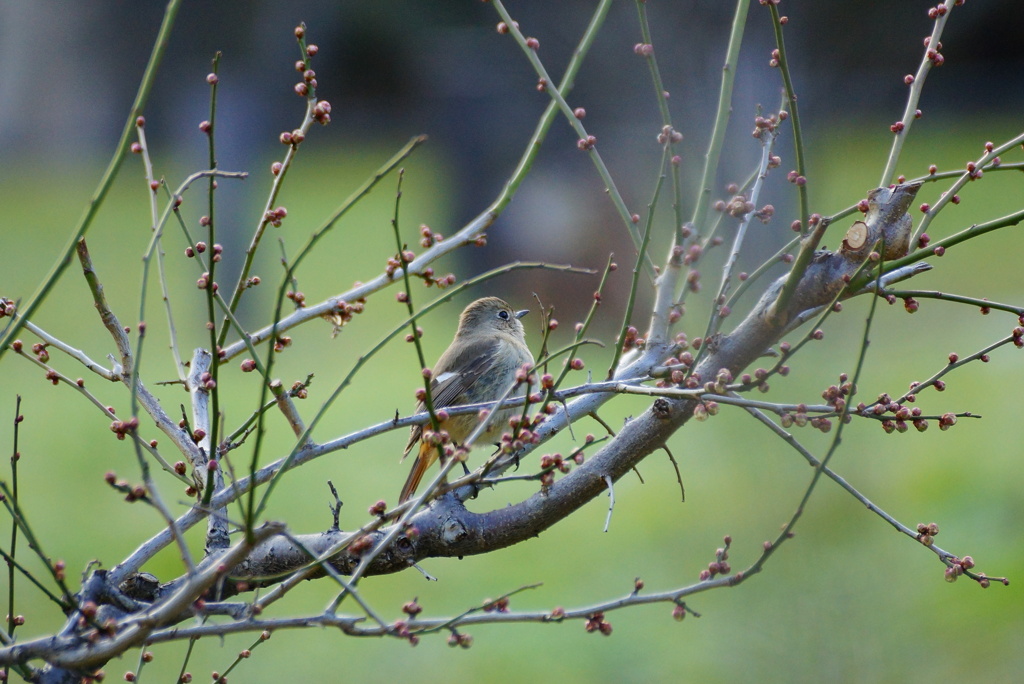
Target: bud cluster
927	533
720	565
632	339
429	238
597	623
767	124
669	135
275	216
123	427
132	493
343	311
901	414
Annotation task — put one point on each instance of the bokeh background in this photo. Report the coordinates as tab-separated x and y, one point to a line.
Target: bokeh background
846	600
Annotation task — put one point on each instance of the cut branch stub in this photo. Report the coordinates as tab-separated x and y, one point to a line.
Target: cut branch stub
856	237
886	221
892	223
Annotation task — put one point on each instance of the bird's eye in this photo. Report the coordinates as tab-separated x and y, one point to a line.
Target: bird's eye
503	315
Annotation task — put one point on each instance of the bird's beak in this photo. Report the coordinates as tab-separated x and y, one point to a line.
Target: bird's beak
520	314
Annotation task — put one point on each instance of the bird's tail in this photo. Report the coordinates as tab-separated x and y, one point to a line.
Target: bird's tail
424	459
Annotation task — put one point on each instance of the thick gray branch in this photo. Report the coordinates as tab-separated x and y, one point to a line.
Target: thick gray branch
447	528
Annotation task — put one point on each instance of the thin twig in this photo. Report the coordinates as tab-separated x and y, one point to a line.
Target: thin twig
714	153
718	312
587	142
964	178
976	230
638	266
611	501
913	97
794	115
76	354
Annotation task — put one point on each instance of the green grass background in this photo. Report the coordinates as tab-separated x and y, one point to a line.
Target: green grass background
846	600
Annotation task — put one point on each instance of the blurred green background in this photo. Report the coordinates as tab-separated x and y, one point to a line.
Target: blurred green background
846	600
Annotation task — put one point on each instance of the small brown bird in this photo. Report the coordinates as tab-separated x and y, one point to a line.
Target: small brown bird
480	365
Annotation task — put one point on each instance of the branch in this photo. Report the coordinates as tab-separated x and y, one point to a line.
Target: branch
886	221
931	58
148	401
77	652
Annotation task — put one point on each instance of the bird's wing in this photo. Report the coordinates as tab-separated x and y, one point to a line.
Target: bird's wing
449	387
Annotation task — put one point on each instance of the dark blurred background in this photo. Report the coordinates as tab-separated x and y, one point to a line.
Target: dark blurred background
847	600
70	69
397	69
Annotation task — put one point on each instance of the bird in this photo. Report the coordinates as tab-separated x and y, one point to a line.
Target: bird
479	365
